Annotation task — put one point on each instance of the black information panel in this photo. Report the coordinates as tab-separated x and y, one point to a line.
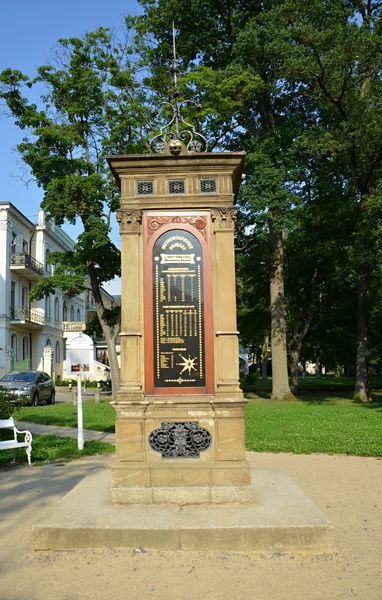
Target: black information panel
178	311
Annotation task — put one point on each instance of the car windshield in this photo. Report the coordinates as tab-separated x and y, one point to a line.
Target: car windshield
19	377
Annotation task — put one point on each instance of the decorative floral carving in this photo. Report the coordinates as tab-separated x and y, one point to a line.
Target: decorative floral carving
180	440
129	221
199	222
224	218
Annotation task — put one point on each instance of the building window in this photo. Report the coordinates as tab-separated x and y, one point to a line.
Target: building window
145	188
48	343
208	186
177	186
64	312
13	243
48	267
14	346
13	296
58	357
24	297
56	310
72	313
25	247
47	307
78	314
25	347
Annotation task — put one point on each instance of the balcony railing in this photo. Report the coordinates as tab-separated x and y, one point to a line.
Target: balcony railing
73	326
24	313
28	262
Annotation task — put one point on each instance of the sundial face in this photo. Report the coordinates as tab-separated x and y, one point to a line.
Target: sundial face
178	311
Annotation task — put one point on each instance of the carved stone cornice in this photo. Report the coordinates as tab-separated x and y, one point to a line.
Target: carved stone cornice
223	218
198	221
129	221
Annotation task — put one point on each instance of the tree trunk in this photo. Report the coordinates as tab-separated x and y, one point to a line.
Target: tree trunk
318	369
264	368
361	391
294	375
110	332
280	383
258	362
264	360
113	362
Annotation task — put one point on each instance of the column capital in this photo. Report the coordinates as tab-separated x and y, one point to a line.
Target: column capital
223	218
129	220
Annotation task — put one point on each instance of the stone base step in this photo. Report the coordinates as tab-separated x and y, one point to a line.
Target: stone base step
282	519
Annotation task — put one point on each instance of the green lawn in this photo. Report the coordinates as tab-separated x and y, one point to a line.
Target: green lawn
330	425
100	417
48	448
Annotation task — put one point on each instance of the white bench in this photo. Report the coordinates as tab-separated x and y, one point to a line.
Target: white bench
9	444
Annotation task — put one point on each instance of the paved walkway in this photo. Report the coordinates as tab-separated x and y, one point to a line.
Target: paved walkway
89	435
346	488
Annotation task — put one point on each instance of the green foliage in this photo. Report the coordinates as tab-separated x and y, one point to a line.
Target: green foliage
297	86
9	405
91	105
249	379
50	448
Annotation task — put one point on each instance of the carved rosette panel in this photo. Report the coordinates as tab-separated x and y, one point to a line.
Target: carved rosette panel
180	440
129	221
155	223
224	218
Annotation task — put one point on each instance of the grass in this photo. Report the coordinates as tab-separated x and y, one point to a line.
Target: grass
97	416
312	424
329	425
50	448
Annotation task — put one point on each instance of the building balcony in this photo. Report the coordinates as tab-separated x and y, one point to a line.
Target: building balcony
72	327
27	317
90	307
26	266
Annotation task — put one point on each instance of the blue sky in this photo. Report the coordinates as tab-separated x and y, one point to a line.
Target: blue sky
28	31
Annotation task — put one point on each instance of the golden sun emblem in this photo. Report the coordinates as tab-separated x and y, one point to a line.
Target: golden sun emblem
188	364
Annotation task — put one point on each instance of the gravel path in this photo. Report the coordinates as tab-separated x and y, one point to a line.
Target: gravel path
347	489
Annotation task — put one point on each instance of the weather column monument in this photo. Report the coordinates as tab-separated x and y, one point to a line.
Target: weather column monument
179	410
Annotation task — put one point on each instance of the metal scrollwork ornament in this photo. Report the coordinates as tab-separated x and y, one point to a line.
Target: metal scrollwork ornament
180	440
177	133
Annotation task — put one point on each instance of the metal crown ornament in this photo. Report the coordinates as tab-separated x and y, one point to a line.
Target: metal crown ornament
177	134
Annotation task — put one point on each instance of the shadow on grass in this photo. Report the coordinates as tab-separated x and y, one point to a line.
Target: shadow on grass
314	399
110	429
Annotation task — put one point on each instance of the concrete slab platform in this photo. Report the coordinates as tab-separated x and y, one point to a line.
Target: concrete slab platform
282	519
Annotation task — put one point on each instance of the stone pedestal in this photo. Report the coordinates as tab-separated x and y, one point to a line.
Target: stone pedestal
180	436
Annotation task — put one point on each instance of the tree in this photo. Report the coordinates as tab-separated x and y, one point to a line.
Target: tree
334	57
90	105
236	75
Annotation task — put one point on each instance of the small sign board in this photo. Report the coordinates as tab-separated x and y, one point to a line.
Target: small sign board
79	355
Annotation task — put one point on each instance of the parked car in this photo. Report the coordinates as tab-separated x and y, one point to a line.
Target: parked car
30	385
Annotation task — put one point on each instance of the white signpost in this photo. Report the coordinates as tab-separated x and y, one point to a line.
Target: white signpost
79	359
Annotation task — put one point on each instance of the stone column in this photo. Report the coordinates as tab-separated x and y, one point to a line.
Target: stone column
228	402
131	384
130	405
226	334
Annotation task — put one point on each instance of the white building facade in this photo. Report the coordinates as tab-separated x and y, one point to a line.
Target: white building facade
33	335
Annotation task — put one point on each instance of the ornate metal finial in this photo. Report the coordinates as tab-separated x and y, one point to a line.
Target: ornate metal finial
177	135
